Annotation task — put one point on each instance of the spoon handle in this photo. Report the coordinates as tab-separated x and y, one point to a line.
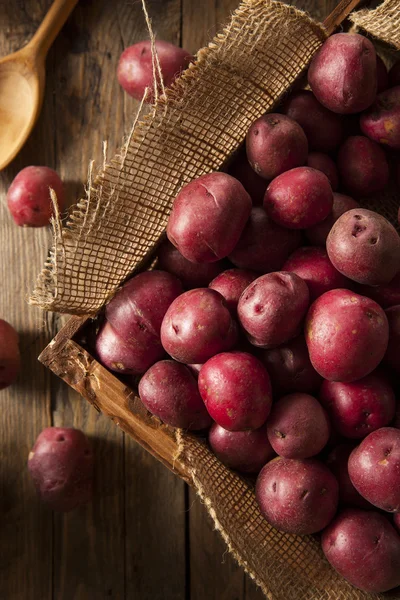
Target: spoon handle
50	27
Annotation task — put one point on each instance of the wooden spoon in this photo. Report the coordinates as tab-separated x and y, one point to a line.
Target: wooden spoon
22	78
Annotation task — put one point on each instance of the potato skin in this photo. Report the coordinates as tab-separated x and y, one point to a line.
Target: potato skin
364	247
364	548
169	391
363	168
346	334
297	496
231	284
61	466
374	468
392	356
337	461
382	75
394	75
324	163
236	390
299	198
342	74
254	185
198	226
244	451
198	325
10	359
272	308
317	234
381	122
360	407
385	295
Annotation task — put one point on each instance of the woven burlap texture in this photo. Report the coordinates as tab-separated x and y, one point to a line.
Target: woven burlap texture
383	23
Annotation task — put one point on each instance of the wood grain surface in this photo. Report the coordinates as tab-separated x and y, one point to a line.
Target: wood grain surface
146	536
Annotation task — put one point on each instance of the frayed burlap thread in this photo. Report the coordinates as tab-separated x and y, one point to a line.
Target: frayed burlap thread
382	23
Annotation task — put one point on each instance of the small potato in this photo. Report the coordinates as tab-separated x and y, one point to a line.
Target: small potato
135	67
382	75
231	284
392	356
198	325
298	426
61	466
364	548
252	183
385	295
394	75
274	144
381	122
28	197
323	128
290	368
364	247
324	163
198	224
363	168
312	264
191	275
272	308
337	461
374	468
297	496
236	390
299	198
318	233
342	74
357	408
244	451
346	334
169	391
10	360
264	246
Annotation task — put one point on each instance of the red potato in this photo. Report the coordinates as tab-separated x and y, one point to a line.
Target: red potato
392	356
195	369
298	426
374	468
337	461
323	128
272	308
10	360
385	295
135	67
363	168
244	451
264	246
198	224
346	334
312	264
61	466
381	122
236	390
364	247
169	391
318	233
274	144
357	408
324	163
382	75
290	368
299	198
231	284
254	185
394	75
191	275
297	496
342	74
198	325
396	521
364	548
28	197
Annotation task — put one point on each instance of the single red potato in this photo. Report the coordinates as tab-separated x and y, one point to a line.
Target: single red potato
254	185
61	466
324	163
298	426
374	468
385	295
312	264
363	168
274	144
382	75
169	391
364	548
28	197
264	246
357	408
198	224
244	451
198	325
236	390
272	308
135	67
392	356
299	198
364	247
346	334
381	122
231	284
10	359
337	461
318	233
297	496
394	75
342	74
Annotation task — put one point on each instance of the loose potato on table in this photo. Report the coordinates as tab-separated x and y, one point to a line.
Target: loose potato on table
9	354
363	167
231	284
337	461
317	234
381	122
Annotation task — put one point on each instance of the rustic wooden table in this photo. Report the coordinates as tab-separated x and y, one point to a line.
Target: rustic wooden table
146	536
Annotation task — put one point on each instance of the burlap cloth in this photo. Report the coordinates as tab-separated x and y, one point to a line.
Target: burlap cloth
194	130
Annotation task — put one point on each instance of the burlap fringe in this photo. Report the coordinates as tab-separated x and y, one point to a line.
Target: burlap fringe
382	23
